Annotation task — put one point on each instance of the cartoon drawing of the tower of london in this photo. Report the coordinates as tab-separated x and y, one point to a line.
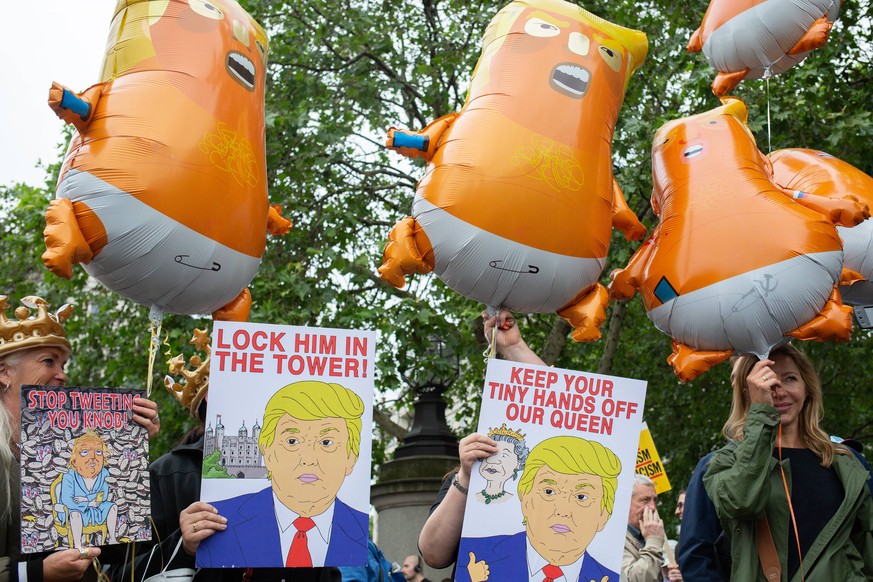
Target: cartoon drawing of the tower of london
238	454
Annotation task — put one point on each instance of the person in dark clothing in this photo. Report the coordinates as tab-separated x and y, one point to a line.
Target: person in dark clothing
697	554
704	552
441	535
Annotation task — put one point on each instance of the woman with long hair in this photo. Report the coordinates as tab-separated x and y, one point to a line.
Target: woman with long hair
9	528
34	350
29	358
780	473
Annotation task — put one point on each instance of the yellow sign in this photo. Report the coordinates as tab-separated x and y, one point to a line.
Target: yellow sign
649	463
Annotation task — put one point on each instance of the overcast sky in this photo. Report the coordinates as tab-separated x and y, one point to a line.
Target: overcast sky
44	41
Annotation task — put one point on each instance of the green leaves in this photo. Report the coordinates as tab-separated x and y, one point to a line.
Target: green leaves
342	73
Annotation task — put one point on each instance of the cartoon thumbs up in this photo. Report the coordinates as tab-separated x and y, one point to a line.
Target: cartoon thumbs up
478	571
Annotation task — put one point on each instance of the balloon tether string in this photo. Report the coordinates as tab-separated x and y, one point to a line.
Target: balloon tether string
491	350
156	316
769	134
790	505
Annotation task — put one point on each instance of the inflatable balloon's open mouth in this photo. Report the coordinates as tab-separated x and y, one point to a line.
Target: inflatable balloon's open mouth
241	69
571	80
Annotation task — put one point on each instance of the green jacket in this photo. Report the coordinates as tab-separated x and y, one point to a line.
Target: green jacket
743	480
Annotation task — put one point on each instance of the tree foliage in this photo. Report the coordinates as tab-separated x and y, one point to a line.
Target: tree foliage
213	469
341	73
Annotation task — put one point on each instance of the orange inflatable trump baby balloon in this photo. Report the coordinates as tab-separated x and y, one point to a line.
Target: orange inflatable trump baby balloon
518	200
754	39
163	195
803	172
735	264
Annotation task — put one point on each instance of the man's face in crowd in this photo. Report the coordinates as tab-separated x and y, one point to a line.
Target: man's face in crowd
643	496
408	568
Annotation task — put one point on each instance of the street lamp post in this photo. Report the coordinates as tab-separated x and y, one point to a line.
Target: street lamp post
429	433
408	484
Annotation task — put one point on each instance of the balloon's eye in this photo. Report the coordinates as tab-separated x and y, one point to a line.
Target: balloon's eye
541	28
204	8
611	57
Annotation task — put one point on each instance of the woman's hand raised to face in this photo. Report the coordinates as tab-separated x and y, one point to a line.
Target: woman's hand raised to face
761	382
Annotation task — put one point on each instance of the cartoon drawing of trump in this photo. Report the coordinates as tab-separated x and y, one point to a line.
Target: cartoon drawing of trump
84	493
310	442
567	492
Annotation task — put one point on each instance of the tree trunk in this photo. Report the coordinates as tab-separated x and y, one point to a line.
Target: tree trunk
387	425
616	320
556	341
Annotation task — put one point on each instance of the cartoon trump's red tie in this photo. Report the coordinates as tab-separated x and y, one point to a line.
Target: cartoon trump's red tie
298	555
551	573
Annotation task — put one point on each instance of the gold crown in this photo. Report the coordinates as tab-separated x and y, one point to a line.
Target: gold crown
44	329
503	431
196	380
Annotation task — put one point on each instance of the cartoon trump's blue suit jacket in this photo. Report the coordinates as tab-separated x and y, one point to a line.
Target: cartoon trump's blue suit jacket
251	539
506	557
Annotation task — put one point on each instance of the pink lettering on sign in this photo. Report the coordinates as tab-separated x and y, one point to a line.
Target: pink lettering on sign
313	354
507	392
243	339
534	378
338	367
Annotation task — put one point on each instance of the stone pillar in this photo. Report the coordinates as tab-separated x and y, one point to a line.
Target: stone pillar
408	485
403	496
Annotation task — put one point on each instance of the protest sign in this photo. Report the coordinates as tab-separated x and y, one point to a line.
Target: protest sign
84	468
561	480
649	462
288	446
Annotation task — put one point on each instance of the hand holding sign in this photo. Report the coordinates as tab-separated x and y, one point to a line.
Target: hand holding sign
472	448
68	565
197	522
